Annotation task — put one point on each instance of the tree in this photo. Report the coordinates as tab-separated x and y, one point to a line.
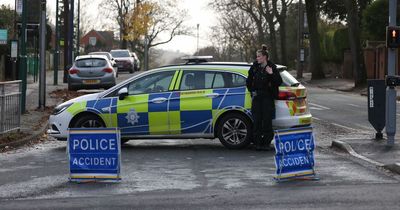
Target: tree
228	48
119	10
355	45
281	15
268	14
336	10
86	20
151	19
259	17
7	19
375	20
315	54
166	19
351	11
6	22
237	29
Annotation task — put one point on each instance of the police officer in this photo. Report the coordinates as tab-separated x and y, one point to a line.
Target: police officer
263	83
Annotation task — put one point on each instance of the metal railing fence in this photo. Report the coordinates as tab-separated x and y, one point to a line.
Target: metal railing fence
10	106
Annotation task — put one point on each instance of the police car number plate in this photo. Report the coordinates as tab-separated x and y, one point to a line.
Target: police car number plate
91	81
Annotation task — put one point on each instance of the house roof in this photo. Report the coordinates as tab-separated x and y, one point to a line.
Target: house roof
105	35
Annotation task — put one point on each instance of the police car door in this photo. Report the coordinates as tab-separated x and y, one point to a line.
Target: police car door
194	115
145	110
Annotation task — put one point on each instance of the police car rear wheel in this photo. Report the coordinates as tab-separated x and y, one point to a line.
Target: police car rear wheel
234	131
90	121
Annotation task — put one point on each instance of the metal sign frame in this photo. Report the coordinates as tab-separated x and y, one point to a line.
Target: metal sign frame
289	137
89	157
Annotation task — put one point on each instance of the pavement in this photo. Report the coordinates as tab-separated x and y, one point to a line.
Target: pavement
372	151
34	121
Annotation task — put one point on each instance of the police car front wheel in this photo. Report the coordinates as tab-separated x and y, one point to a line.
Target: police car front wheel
89	121
234	131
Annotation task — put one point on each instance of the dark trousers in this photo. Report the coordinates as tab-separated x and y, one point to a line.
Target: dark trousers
263	110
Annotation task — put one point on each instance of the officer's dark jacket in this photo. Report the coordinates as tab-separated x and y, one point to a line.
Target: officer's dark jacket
258	80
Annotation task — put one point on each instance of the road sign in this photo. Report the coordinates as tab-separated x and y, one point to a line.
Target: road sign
14	48
94	154
3	36
92	40
19	7
294	153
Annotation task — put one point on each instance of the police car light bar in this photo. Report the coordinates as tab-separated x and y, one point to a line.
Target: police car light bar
197	59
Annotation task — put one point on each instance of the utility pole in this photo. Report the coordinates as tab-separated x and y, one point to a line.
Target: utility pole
300	47
65	15
71	33
57	45
78	29
391	91
22	59
42	78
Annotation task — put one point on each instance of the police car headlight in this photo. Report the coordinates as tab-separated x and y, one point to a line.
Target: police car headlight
60	108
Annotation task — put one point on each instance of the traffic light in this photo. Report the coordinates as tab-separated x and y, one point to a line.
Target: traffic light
393	37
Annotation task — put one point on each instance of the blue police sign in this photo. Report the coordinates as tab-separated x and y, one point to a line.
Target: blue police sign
94	154
294	153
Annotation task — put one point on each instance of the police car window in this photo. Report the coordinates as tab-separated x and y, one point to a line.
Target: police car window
228	80
209	78
193	80
219	81
158	82
238	80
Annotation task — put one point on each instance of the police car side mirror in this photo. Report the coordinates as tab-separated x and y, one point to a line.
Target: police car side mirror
122	93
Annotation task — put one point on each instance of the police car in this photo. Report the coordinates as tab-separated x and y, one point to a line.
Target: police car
198	99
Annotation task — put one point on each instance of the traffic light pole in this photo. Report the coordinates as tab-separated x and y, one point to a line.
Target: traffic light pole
22	59
390	90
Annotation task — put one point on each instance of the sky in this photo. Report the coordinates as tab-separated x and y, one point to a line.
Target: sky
197	11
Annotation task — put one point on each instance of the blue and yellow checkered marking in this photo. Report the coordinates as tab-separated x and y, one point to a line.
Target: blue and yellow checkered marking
189	111
140	128
196	121
174	102
161	107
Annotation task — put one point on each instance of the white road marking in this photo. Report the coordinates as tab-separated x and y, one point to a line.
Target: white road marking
319	106
365	127
316	118
353	105
342	126
315	108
